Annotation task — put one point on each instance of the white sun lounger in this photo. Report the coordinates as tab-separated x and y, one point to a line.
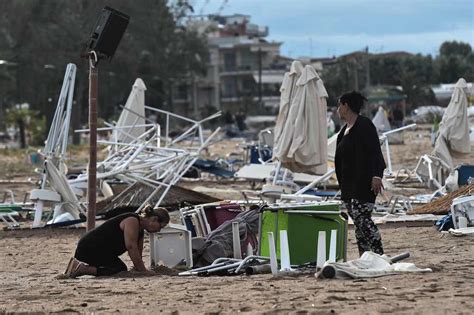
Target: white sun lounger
259	172
462	210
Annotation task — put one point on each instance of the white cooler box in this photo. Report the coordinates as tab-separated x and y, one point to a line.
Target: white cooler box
171	246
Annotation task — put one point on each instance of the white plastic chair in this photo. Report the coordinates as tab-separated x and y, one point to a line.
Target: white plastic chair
462	208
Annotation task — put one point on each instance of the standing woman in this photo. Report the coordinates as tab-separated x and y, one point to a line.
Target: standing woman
99	249
359	170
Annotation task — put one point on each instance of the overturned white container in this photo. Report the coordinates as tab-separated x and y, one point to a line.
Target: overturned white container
171	247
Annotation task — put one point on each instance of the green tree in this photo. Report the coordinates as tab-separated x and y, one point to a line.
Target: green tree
338	78
414	77
414	73
155	47
455	48
455	60
385	69
28	122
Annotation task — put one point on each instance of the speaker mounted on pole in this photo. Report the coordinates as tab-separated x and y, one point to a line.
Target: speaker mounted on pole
107	32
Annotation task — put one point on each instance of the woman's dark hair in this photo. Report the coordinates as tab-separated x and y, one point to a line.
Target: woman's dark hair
158	213
354	99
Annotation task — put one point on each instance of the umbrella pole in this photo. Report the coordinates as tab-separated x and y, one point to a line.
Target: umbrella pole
387	145
277	170
389	158
92	167
285	173
323	178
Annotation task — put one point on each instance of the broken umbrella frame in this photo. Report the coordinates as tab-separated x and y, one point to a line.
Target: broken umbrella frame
229	266
144	159
54	154
235	266
154	160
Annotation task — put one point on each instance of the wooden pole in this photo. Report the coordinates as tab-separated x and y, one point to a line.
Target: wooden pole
92	167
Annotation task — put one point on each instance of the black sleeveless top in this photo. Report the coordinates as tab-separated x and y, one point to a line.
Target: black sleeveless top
108	238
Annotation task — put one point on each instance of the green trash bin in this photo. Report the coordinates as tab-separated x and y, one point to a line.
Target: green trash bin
303	222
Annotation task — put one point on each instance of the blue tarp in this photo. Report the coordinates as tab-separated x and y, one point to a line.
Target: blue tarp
212	167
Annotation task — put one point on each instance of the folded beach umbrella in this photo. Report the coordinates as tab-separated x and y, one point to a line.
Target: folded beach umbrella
59	183
307	116
283	128
380	120
129	118
58	136
332	144
453	133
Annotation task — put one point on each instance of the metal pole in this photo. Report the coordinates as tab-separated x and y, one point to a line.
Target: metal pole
367	69
389	158
195	101
236	240
356	75
92	167
260	77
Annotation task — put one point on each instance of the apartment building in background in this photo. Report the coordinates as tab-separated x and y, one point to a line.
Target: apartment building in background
244	70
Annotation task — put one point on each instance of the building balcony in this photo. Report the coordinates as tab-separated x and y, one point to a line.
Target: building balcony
230	70
270	101
181	100
235	70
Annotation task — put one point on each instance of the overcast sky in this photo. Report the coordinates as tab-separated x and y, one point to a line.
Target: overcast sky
323	28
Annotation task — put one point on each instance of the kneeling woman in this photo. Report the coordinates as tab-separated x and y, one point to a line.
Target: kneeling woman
98	250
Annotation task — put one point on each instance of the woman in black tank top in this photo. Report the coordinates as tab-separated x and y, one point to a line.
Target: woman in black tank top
98	250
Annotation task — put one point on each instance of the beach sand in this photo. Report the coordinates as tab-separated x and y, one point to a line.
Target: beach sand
32	260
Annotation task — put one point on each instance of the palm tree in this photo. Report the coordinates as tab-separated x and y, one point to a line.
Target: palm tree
27	121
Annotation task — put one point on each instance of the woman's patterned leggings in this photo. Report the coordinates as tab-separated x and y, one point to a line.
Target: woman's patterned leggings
367	233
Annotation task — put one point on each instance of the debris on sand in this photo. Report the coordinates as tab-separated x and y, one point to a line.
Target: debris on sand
165	271
443	204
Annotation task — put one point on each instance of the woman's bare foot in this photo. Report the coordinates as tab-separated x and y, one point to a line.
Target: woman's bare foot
69	266
76	268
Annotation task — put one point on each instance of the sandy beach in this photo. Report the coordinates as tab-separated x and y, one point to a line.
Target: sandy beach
32	262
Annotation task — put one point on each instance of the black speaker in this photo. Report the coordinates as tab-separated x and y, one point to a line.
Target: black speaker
108	32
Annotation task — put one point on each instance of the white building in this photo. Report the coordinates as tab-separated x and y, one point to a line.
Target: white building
244	71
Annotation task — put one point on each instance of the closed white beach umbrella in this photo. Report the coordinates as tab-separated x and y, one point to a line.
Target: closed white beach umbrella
308	150
60	184
282	140
136	104
453	134
380	120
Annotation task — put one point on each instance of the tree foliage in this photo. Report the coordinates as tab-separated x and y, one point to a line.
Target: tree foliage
455	48
30	125
41	37
455	60
414	73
